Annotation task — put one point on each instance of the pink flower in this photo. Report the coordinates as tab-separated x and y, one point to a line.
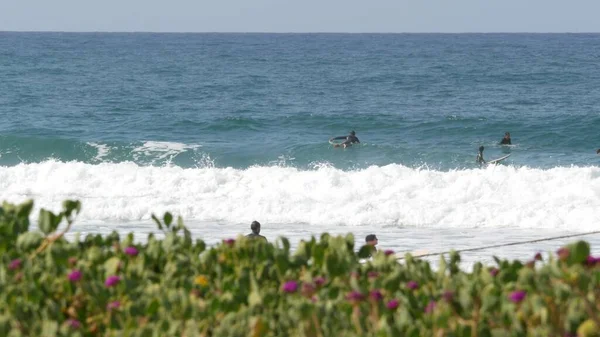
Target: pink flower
73	323
393	304
355	296
376	295
290	287
494	272
229	242
75	275
448	296
372	274
113	305
430	307
14	264
517	296
388	252
112	281
412	285
319	281
131	251
563	253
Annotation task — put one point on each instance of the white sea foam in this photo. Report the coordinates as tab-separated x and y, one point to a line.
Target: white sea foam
162	150
103	151
388	196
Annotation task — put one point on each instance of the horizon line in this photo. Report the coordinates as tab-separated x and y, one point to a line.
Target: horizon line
288	33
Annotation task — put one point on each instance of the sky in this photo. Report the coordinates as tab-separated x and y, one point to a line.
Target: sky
290	16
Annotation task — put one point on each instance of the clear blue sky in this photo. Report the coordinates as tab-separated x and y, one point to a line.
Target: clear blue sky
301	15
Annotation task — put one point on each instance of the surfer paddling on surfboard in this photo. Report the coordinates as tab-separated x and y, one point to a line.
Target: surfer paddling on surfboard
349	140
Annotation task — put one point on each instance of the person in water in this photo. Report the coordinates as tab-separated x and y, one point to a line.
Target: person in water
480	159
506	139
349	140
255	227
372	240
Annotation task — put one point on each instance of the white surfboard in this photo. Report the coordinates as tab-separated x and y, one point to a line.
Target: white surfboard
497	160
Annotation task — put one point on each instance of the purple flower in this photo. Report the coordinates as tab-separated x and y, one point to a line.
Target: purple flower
376	295
131	251
75	275
430	307
494	271
393	304
355	296
290	287
563	253
388	252
319	281
73	323
538	257
412	285
517	296
112	281
448	296
229	242
592	261
372	274
14	264
113	305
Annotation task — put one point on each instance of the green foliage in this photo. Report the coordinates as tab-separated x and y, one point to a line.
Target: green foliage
113	286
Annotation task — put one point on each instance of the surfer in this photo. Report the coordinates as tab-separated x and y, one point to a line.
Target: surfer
349	140
480	159
372	240
255	227
506	139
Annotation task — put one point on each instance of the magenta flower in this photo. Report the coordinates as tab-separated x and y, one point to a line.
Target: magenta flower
355	296
372	274
412	285
448	296
112	281
376	295
75	275
388	252
494	271
229	242
563	253
14	264
113	305
592	261
131	251
393	304
430	307
73	323
517	296
290	287
319	281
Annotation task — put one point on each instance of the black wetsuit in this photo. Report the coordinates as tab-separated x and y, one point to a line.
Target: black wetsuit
480	159
505	141
349	140
256	236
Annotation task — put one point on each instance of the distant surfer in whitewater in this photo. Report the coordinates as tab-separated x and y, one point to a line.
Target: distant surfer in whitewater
349	140
480	159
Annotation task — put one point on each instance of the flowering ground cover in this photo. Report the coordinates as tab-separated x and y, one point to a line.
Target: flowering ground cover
112	286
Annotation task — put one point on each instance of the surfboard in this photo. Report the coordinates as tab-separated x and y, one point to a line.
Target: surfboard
497	160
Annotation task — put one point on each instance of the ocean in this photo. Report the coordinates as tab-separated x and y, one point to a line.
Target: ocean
224	129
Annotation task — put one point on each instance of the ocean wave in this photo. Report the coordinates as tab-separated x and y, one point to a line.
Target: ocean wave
390	195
